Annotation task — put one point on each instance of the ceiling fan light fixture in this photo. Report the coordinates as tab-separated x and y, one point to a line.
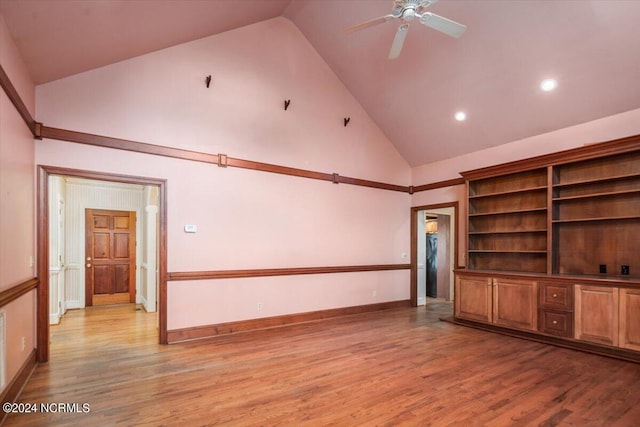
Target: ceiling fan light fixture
460	116
548	85
407	11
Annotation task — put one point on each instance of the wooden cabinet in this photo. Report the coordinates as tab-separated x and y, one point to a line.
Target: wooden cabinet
629	336
608	315
555	304
473	299
504	302
515	303
596	314
552	247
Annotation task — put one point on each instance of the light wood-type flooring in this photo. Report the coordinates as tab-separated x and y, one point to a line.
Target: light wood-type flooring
391	368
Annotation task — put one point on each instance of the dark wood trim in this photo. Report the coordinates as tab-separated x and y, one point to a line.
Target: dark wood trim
217	159
17	102
210	331
372	184
12	390
612	281
588	151
41	131
264	272
440	184
42	309
17	291
127	145
413	291
43	246
618	353
162	261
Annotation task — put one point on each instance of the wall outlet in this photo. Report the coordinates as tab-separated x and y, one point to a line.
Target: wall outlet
624	270
23	343
374	293
603	268
259	306
31	261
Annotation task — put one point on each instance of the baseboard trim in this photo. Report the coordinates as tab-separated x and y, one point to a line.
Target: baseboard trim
614	352
14	388
210	331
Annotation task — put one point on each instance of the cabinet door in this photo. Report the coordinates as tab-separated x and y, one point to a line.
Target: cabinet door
630	318
596	314
515	303
473	298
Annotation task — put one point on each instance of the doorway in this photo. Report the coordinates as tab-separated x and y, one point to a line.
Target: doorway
433	252
110	257
156	227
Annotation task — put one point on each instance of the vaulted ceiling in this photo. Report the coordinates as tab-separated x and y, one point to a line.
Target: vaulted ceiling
493	72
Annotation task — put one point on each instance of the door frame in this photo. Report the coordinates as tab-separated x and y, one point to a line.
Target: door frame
42	218
413	289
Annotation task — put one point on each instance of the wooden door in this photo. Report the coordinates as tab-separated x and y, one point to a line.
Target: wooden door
444	258
473	298
630	318
515	303
110	257
596	314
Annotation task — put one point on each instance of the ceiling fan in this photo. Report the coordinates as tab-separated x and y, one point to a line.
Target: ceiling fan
406	11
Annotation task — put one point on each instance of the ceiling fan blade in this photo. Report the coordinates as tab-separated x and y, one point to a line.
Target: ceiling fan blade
427	3
398	41
369	23
442	24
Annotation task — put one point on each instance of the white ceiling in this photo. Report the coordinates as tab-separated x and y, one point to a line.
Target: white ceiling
492	72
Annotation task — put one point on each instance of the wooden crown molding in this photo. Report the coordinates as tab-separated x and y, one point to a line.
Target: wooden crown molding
588	151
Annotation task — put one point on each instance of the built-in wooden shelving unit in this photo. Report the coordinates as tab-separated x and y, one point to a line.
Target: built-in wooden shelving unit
507	227
553	249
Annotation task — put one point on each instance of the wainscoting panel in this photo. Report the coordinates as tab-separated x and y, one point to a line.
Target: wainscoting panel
55	307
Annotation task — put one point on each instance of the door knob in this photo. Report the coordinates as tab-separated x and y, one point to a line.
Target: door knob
88	265
88	258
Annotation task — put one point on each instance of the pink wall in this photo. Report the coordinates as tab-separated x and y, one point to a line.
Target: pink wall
247	219
604	129
17	195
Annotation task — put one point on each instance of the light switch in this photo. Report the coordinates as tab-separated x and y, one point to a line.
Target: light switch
190	228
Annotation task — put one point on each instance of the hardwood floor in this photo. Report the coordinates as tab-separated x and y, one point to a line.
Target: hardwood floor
398	367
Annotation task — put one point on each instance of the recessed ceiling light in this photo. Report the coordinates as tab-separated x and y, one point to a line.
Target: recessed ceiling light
460	116
548	85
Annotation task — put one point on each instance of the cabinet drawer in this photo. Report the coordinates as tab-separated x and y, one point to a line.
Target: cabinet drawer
556	323
557	296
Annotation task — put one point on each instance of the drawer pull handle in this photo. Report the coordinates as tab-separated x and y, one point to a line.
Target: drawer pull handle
555	322
555	295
